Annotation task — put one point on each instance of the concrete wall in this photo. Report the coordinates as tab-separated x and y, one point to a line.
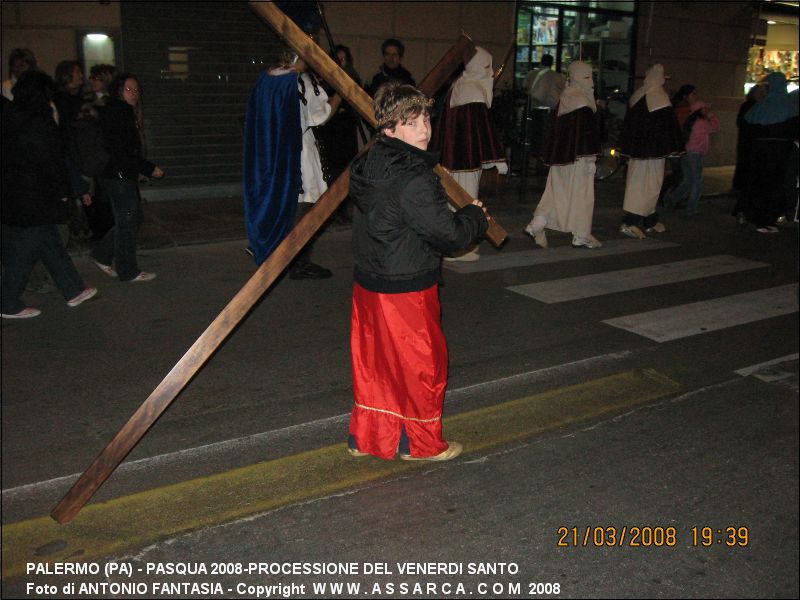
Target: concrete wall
705	44
50	29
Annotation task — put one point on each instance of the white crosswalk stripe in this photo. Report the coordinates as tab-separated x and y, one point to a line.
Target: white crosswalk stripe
587	286
782	371
696	318
491	261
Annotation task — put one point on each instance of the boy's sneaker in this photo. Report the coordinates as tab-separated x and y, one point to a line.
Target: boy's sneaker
657	228
25	313
89	292
453	450
104	268
356	453
588	241
144	276
632	231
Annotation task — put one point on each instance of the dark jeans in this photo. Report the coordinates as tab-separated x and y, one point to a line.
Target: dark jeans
22	247
118	245
691	185
99	214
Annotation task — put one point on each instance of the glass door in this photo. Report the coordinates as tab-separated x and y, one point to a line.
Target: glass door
604	42
537	35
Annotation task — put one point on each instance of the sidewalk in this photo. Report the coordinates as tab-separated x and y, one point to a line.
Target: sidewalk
171	223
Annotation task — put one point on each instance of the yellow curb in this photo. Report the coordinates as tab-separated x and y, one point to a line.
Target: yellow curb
130	522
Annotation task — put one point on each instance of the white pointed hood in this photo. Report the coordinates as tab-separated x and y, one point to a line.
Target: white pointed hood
476	83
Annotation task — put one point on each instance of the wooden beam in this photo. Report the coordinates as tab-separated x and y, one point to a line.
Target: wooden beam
460	52
326	67
210	340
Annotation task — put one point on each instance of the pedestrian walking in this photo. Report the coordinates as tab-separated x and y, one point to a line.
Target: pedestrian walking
650	133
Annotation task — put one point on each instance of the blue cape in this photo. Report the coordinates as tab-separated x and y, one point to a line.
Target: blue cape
272	147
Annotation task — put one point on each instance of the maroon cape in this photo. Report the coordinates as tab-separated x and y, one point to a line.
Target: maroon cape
465	137
648	134
571	136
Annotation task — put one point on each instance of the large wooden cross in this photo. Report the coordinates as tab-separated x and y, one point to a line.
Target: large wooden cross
194	359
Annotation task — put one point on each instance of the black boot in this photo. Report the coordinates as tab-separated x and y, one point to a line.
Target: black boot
309	270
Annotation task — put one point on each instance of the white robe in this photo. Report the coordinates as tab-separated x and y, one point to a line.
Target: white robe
315	112
567	203
643	185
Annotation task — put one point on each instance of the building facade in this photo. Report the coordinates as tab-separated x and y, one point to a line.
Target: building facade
198	60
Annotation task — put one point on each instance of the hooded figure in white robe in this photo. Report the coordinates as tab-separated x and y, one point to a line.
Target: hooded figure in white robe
650	133
570	149
465	134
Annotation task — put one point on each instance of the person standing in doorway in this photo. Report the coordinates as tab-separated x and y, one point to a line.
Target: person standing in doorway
547	86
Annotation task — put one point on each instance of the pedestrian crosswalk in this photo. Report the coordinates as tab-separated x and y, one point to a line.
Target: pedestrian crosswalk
665	324
532	257
687	320
587	286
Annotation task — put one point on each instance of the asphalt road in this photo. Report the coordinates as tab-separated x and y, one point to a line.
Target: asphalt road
599	462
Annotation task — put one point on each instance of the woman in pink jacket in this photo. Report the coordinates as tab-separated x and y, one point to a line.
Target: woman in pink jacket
697	130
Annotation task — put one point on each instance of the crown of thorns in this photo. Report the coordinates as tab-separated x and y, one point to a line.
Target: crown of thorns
403	107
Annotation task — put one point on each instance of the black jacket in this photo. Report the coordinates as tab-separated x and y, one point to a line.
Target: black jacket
384	75
35	180
402	224
122	142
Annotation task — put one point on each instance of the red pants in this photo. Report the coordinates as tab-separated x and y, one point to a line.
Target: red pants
399	361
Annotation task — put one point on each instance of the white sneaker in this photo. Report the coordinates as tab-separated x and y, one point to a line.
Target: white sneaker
89	292
108	270
588	241
25	313
144	276
632	231
538	235
657	228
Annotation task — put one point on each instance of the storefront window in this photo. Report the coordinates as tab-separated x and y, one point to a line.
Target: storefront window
775	52
537	35
762	62
573	31
604	43
621	6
